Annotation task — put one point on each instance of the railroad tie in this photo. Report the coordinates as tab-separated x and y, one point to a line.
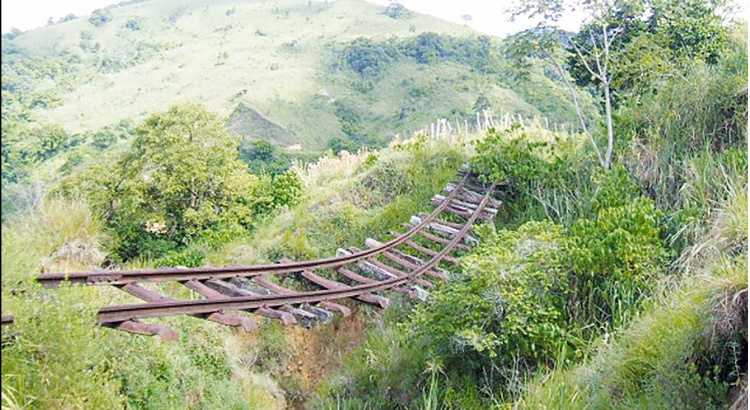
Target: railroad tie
331	284
229	290
441	228
305	311
324	305
166	333
247	288
472	196
150	296
432	238
407	261
384	272
463	209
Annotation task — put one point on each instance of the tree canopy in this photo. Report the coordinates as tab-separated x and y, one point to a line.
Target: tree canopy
181	177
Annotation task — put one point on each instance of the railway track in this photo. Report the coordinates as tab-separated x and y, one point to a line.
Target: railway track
409	264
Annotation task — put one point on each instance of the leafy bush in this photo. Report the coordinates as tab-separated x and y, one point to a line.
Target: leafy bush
614	258
180	178
134	23
509	302
100	17
547	176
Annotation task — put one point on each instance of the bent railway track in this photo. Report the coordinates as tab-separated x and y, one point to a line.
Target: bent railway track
403	265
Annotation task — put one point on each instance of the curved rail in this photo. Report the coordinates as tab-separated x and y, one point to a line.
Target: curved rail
246	288
117	314
124	277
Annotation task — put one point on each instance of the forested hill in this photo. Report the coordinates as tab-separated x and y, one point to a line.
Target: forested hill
287	71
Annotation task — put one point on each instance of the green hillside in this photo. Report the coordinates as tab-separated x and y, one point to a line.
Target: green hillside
162	133
282	58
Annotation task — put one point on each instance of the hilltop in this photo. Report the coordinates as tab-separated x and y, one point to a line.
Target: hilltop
280	69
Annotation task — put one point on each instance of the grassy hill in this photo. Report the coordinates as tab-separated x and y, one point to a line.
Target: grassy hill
281	58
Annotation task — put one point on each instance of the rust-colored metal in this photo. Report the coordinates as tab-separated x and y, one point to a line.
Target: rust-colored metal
166	333
433	238
263	281
430	252
243	322
330	284
204	273
406	260
355	276
119	314
247	288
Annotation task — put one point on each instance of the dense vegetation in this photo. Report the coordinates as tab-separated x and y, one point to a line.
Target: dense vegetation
598	287
620	285
86	74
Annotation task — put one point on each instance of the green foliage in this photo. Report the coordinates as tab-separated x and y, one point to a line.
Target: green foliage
350	120
615	258
366	57
508	303
99	17
111	134
68	17
134	23
384	372
338	144
510	158
673	355
548	176
396	10
287	189
189	258
370	59
698	125
58	357
180	178
655	39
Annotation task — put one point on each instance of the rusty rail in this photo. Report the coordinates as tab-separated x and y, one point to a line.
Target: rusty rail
246	288
124	277
115	314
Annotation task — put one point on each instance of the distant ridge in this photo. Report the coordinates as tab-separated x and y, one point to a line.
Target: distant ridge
249	123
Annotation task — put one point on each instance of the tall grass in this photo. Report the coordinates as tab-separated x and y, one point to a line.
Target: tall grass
688	143
664	359
687	348
351	197
56	357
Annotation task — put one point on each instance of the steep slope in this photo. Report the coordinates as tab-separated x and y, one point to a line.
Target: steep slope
282	58
267	53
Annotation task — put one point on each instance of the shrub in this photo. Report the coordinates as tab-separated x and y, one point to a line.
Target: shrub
100	17
613	259
509	301
180	179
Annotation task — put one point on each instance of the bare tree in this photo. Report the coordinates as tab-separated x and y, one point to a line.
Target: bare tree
546	39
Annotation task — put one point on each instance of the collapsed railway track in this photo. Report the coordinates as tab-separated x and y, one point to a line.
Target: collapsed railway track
362	275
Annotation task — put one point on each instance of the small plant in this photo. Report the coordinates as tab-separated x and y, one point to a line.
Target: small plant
100	17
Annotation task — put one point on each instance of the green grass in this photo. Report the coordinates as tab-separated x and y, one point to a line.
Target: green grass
56	357
685	347
349	198
184	68
198	52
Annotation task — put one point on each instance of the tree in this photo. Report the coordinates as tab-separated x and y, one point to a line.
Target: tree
621	44
67	17
181	178
657	37
546	42
396	10
99	17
